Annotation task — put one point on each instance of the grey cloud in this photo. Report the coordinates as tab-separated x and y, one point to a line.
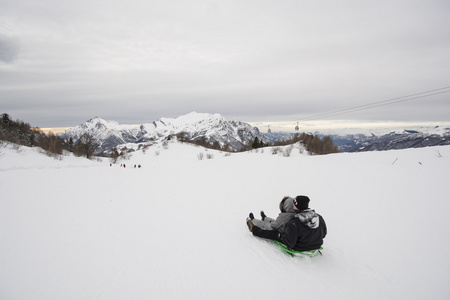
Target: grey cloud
9	48
253	61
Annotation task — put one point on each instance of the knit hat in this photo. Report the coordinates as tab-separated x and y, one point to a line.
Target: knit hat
301	202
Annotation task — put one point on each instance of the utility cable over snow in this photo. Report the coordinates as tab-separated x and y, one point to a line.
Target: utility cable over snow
411	97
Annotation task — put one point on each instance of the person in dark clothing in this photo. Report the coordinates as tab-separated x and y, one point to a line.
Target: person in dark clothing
304	232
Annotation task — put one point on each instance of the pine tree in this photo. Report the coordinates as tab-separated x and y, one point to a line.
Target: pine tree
85	146
114	154
256	143
70	144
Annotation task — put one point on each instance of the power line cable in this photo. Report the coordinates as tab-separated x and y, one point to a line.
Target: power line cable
380	103
357	108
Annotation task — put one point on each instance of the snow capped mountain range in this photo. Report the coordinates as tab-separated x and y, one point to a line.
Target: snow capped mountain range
379	139
196	126
399	140
214	128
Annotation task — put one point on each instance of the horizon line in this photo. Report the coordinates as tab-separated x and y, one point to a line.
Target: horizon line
289	126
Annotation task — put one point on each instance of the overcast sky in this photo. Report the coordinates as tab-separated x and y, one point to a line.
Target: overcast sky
64	62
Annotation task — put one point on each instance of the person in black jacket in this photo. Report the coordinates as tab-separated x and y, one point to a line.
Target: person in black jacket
305	231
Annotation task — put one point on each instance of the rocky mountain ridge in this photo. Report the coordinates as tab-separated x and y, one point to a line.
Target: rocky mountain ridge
398	140
211	128
360	140
379	140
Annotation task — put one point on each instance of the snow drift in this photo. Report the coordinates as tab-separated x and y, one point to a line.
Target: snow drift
175	228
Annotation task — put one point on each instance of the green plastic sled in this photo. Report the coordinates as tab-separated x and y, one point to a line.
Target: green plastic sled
309	253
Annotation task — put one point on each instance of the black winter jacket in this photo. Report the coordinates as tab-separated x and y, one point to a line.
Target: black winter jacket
305	231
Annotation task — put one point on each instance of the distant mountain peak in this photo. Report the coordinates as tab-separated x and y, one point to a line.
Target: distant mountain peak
192	118
94	124
100	120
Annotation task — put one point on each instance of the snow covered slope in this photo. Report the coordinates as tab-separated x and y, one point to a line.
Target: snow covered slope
212	127
175	228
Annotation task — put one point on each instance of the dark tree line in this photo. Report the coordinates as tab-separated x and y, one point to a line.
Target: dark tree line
257	143
22	133
312	143
202	141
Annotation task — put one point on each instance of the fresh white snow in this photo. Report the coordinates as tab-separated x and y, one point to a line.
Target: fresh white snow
72	228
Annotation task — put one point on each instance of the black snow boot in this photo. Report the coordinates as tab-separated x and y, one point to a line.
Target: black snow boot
263	215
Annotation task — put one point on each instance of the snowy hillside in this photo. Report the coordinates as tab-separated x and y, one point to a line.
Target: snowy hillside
175	228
